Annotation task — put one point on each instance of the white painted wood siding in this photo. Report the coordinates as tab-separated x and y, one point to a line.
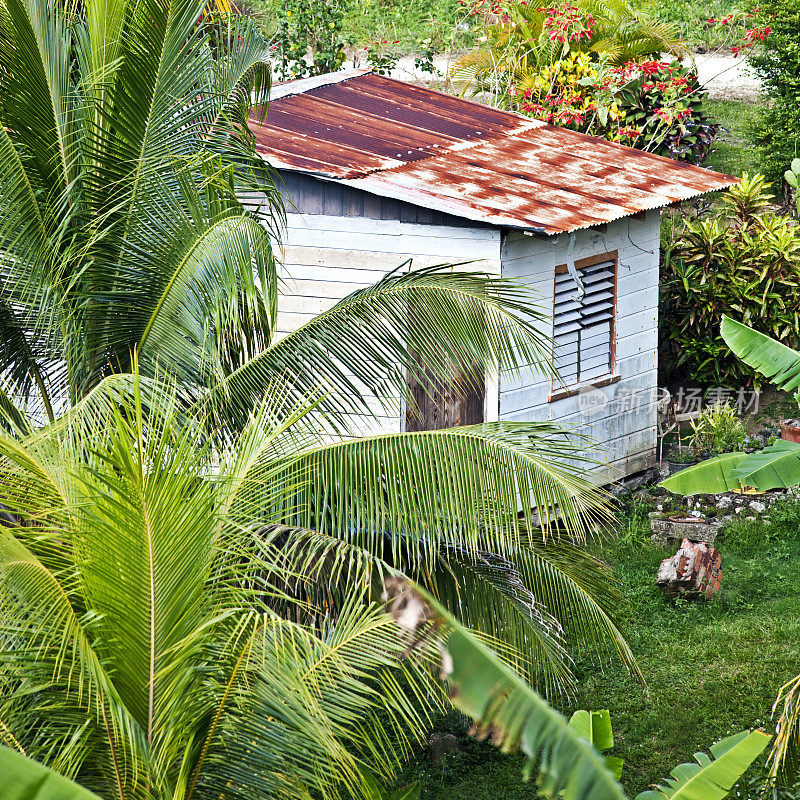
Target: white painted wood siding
324	258
618	417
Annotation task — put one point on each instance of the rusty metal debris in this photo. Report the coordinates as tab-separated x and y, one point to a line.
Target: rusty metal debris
449	154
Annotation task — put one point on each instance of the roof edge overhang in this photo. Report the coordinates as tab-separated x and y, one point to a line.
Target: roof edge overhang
376	184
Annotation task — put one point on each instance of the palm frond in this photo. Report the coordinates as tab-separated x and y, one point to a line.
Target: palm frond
370	342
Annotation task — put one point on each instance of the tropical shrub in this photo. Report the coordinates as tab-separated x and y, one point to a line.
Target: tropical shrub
523	37
718	429
743	261
310	37
792	178
592	67
777	129
652	105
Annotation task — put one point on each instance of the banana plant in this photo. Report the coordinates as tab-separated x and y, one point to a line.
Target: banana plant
26	779
777	466
712	778
792	177
595	727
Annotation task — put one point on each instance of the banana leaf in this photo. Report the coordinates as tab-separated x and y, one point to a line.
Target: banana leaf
712	778
22	778
772	359
776	466
506	709
595	727
713	476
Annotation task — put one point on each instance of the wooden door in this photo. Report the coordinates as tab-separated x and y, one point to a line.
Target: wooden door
460	402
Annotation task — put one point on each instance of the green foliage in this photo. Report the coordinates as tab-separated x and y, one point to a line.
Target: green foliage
718	429
712	476
728	656
24	779
310	37
742	261
189	634
698	22
504	707
792	178
778	64
125	146
712	778
595	727
522	38
653	106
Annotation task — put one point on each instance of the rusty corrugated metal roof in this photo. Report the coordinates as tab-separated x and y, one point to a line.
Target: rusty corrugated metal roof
445	153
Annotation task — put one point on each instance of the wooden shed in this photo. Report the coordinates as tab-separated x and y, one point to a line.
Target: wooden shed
377	171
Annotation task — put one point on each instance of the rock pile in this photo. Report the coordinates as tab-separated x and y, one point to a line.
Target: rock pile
694	571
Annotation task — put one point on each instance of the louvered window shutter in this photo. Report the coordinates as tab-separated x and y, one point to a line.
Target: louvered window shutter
583	326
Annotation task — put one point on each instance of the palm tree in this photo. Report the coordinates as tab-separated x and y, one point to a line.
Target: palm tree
153	646
122	238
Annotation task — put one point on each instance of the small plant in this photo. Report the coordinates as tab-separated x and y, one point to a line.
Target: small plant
382	56
718	429
792	177
681	455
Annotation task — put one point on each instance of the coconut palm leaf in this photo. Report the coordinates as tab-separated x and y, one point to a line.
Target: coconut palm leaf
784	759
419	323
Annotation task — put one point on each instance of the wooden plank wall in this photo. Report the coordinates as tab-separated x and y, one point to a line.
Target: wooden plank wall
325	257
618	417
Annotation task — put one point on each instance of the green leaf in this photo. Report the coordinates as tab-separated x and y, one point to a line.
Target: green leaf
595	727
775	361
795	165
506	708
790	178
712	779
777	466
708	477
26	779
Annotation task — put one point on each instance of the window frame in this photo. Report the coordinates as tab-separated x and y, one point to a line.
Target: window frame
558	392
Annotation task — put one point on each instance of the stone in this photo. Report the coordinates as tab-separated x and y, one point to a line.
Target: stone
758	507
695	571
442	745
670	531
724	503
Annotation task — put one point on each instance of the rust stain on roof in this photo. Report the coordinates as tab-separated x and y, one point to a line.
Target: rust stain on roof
409	143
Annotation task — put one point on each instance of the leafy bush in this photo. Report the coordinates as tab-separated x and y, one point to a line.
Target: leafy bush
589	67
778	65
743	261
522	38
310	37
718	430
654	106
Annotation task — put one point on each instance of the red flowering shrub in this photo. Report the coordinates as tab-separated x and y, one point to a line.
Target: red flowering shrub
652	105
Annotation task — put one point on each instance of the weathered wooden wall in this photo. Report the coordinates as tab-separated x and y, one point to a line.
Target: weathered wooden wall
326	256
346	240
619	417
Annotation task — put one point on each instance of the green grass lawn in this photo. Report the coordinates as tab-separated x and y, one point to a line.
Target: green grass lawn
734	151
712	668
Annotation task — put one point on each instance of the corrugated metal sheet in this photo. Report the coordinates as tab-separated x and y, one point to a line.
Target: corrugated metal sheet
445	153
